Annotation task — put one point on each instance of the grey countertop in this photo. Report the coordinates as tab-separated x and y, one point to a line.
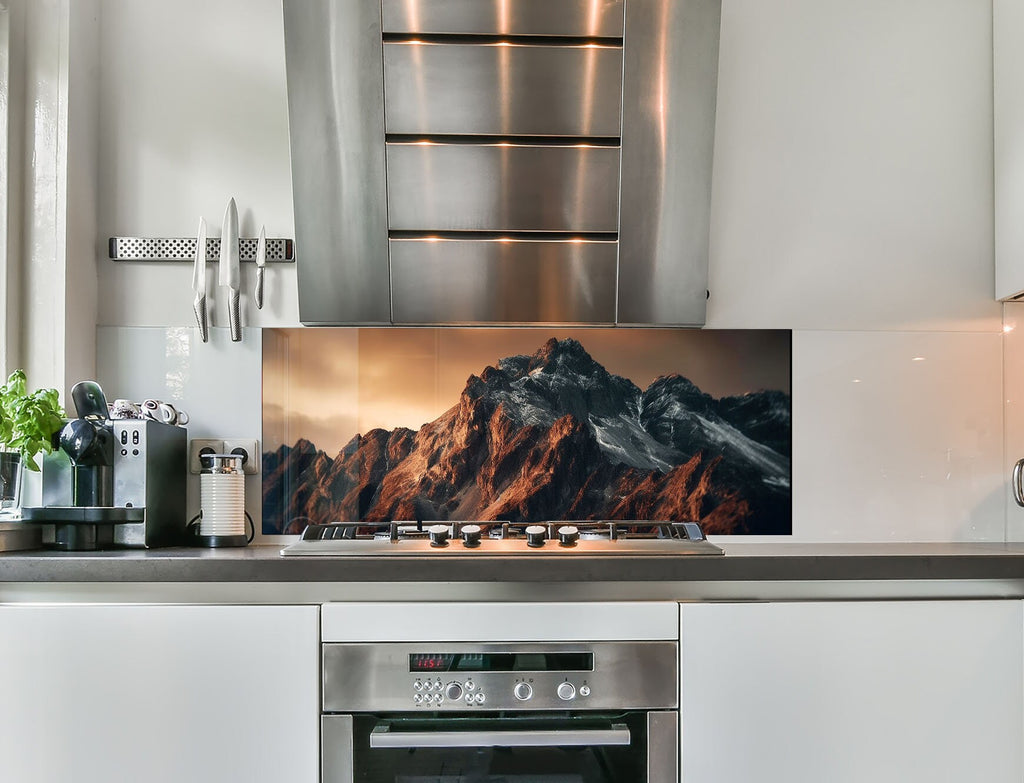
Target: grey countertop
742	562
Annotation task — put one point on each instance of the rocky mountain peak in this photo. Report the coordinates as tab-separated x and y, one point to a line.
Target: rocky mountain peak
675	388
495	378
565	355
303	446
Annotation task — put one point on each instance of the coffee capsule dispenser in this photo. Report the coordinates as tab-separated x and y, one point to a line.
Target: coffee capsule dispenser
112	482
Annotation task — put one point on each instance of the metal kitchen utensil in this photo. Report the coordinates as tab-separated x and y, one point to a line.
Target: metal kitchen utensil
199	282
261	262
229	275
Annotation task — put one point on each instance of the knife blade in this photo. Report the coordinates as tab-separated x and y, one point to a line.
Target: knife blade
199	282
229	275
261	262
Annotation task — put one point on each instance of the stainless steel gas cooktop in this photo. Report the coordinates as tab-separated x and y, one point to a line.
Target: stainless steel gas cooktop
469	539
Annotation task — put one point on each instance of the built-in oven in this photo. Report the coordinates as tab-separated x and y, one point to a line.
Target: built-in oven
519	712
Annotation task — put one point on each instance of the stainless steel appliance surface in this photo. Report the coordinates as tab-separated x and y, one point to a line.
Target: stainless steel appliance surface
520	122
141	498
585	538
551	711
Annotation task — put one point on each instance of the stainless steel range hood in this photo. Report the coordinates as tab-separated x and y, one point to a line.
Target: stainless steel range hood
502	161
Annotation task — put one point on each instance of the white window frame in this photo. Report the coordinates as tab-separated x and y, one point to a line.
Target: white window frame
5	168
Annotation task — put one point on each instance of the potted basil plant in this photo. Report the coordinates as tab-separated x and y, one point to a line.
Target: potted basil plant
28	423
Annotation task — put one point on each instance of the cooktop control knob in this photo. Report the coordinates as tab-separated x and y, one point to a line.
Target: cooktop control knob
453	691
568	535
523	691
438	535
566	691
471	535
535	535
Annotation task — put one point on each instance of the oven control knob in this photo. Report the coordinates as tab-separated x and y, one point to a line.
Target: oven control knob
568	535
535	535
584	690
566	691
438	535
471	535
453	691
523	691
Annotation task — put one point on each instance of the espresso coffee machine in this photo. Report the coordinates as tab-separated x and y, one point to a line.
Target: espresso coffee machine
114	482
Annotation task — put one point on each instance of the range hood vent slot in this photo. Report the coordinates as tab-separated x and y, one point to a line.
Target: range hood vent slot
567	18
508	141
501	40
511	236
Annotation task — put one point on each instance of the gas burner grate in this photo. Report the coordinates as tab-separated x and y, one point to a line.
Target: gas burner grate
587	530
554	538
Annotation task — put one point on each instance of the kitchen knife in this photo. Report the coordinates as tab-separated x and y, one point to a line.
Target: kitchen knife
229	276
261	262
199	282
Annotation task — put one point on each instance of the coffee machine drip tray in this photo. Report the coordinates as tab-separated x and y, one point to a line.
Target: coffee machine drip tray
77	528
83	515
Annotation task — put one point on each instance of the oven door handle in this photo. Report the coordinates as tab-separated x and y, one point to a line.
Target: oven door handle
383	737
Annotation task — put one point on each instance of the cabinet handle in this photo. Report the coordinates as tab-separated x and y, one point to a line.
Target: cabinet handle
383	737
1018	487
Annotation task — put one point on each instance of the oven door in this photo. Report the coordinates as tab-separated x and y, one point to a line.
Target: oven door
630	747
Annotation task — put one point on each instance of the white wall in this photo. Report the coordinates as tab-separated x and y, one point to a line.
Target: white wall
1008	133
194	112
852	203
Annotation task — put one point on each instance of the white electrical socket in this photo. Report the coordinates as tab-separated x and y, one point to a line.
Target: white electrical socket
251	447
197	446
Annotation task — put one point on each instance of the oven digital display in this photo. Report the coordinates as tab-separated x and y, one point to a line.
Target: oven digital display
430	662
502	662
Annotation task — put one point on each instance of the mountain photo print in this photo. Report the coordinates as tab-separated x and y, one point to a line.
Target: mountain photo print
527	425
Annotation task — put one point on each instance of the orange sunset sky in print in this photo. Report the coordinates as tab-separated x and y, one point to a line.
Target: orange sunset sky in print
327	385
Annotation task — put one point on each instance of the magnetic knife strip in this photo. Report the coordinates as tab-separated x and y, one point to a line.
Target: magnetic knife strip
279	251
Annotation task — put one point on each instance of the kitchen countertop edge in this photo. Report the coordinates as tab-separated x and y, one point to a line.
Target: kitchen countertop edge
741	563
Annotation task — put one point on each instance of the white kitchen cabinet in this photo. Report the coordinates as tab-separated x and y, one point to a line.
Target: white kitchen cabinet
886	692
203	694
1008	150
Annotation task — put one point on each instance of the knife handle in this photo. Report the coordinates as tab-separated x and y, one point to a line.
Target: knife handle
235	316
258	293
199	305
